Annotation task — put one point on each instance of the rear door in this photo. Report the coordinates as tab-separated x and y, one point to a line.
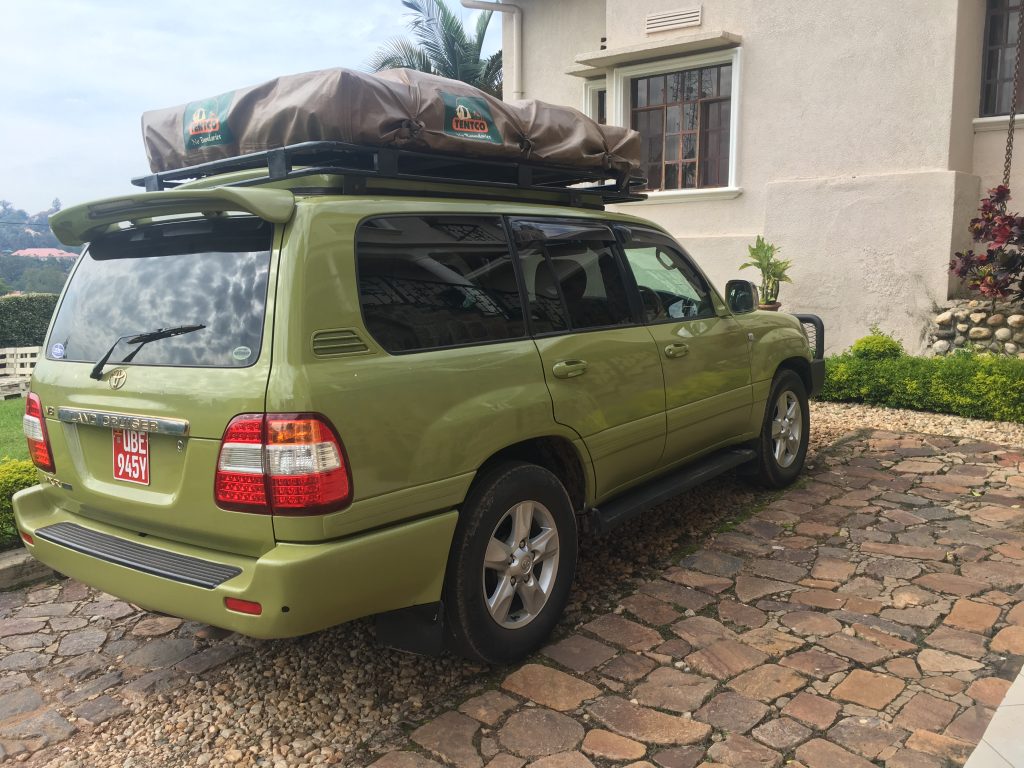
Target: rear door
138	446
601	366
705	354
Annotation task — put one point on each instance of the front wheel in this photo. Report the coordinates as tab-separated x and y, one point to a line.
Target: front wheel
511	564
782	446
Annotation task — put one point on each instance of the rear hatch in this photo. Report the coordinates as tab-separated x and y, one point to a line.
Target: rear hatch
183	309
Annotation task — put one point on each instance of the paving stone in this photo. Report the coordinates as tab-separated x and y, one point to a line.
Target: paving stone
900	569
908	758
771	641
19	702
10	627
27	642
725	659
819	598
926	712
99	710
944	747
671	689
819	753
160	653
676	648
404	760
812	709
732	712
971	724
81	641
700	631
855	648
867	736
776	570
154	626
767	682
85	691
815	529
914	617
488	707
950	583
741	544
832	570
903	667
650	609
989	691
883	640
646	725
25	661
869	689
677	757
67	623
957	641
930	660
741	614
450	737
46	610
715	563
156	681
740	752
1009	640
815	663
1016	615
610	746
45	728
811	623
549	687
676	594
998	574
208	658
697	580
108	609
505	760
571	759
579	653
630	666
943	684
535	732
782	733
623	632
904	551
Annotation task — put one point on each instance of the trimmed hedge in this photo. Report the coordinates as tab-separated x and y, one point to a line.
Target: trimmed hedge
15	474
964	384
24	319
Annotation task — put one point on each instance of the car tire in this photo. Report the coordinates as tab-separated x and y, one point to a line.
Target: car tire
503	599
782	446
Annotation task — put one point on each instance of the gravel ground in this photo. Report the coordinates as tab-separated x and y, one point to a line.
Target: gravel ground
337	697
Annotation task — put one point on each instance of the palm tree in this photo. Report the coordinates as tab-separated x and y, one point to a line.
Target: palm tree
442	47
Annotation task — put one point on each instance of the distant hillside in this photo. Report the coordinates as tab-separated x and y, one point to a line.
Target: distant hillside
19	229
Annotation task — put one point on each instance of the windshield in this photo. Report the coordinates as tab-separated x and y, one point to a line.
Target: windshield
212	273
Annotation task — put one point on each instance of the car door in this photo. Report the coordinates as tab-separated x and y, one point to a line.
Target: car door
601	365
704	351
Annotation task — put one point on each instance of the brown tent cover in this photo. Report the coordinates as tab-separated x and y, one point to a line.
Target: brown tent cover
399	108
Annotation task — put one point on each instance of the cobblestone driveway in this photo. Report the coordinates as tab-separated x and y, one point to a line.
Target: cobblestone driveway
871	615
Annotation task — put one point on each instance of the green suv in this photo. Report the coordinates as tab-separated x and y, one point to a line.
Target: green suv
307	386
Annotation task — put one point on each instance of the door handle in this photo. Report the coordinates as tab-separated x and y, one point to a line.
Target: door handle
567	369
677	350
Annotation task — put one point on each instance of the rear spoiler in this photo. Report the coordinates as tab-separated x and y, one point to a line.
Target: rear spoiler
81	223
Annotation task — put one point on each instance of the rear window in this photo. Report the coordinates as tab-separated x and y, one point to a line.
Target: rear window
212	273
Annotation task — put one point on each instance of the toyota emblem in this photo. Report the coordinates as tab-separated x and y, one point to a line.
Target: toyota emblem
118	376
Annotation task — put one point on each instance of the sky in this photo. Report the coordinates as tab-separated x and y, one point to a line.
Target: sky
76	76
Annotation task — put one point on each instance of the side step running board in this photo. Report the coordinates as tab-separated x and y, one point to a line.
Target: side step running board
633	502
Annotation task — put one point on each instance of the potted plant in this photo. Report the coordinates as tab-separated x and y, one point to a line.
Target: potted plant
773	271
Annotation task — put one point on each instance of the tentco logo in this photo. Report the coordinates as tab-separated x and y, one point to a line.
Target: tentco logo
204	122
465	120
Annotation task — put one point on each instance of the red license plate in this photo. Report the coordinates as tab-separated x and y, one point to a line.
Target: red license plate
131	456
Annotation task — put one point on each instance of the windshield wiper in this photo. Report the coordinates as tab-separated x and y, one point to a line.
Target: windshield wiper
141	339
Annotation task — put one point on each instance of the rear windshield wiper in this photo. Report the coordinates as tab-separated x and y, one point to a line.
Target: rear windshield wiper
141	339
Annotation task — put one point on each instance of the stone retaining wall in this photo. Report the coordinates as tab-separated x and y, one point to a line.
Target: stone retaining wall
976	325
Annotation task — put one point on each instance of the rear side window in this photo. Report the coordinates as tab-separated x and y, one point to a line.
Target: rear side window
427	282
212	273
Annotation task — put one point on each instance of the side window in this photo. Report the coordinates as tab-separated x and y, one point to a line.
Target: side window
437	281
670	289
573	278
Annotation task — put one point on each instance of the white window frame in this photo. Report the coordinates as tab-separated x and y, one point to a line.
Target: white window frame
617	105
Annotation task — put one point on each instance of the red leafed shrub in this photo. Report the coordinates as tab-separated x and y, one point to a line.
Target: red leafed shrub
998	271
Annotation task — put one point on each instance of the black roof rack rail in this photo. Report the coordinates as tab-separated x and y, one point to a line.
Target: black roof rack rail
572	186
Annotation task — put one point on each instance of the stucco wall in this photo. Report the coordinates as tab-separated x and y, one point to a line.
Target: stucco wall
857	151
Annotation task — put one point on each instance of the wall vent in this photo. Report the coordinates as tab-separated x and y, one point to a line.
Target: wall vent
684	17
333	343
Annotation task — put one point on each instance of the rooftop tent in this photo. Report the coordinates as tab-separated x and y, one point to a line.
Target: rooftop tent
400	109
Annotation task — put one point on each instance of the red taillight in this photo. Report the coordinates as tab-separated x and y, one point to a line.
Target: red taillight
243	606
282	464
34	426
27	537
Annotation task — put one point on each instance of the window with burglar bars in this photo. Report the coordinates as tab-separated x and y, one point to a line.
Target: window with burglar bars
1000	52
684	122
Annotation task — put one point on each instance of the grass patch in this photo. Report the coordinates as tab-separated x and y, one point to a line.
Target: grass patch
12	439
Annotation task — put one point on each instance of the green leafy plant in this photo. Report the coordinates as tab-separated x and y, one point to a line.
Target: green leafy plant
877	346
15	474
24	319
773	270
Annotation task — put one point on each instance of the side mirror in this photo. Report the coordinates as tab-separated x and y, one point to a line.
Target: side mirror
741	296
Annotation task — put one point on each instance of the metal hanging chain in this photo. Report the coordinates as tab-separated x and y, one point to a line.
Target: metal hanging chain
1013	96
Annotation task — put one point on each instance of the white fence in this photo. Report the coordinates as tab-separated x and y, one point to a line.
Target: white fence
16	364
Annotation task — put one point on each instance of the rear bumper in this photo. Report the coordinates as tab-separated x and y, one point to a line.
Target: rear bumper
302	588
817	377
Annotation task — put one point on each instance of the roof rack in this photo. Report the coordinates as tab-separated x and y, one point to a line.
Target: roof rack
581	187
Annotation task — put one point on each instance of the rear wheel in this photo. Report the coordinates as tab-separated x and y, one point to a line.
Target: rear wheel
782	446
511	565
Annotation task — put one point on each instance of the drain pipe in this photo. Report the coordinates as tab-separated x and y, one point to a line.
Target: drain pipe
517	35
